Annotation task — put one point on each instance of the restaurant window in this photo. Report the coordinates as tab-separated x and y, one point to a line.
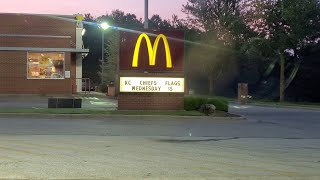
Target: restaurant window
45	65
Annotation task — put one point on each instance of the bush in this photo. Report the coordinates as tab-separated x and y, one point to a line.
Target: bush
221	104
192	103
103	87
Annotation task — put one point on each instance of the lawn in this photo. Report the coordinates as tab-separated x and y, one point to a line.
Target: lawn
105	112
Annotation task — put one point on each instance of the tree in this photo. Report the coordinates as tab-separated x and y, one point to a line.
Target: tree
157	23
111	58
210	63
219	19
121	19
286	25
223	31
92	41
178	23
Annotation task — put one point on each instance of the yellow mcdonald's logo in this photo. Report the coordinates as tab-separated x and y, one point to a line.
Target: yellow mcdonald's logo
152	50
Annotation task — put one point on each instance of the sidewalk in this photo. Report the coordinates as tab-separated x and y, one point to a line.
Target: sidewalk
93	100
94	105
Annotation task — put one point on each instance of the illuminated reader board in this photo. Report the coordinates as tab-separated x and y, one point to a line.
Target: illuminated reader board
151	84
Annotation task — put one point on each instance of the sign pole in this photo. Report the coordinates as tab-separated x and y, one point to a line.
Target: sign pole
146	18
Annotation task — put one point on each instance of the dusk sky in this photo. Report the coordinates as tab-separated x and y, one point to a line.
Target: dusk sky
165	8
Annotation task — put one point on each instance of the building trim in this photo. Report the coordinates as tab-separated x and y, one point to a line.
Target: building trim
44	49
34	36
69	18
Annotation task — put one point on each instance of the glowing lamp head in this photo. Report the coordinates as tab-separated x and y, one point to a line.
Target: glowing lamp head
104	26
83	32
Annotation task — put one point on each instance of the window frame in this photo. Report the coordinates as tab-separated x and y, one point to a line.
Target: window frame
44	52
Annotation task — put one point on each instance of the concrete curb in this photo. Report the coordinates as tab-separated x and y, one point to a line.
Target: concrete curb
304	107
286	106
104	117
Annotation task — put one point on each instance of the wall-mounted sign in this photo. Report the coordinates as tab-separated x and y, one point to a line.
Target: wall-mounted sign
67	74
151	84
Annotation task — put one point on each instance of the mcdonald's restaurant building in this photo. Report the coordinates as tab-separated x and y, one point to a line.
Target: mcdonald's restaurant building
40	54
151	71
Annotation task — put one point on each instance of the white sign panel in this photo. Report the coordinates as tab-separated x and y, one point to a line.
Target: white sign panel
151	84
67	74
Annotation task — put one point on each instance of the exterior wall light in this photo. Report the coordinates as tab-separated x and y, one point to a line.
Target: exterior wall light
83	32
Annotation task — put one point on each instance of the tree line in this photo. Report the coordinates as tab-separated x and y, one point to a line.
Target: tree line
266	43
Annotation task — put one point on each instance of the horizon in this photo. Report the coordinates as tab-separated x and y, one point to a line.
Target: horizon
96	8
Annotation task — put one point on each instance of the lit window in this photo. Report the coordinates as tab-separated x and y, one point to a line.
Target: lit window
45	65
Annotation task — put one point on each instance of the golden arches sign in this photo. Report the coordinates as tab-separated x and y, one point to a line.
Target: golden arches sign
152	50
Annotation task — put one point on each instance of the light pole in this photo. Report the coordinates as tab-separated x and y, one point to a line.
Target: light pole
103	26
146	18
282	59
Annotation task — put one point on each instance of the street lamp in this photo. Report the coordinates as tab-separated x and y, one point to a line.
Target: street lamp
103	26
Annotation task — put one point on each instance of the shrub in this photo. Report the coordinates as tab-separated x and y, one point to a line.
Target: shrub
221	104
192	103
103	88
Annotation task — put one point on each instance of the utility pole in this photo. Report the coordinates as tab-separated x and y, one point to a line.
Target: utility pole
102	58
282	59
146	14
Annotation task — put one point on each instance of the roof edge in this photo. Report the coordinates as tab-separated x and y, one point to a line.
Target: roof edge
44	49
35	14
